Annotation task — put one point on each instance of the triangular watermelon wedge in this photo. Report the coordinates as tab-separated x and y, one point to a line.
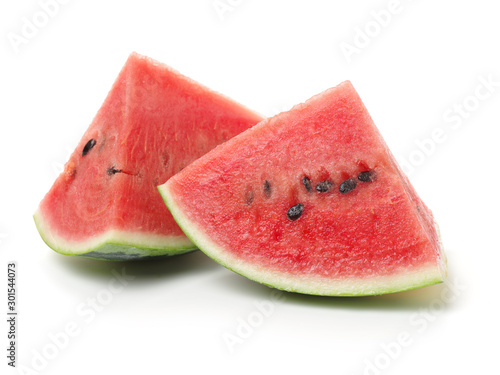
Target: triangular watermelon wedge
310	201
152	124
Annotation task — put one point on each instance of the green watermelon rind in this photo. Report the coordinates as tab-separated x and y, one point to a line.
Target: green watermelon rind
115	245
424	276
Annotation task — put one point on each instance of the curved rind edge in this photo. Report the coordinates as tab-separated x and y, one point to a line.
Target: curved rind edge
425	276
114	245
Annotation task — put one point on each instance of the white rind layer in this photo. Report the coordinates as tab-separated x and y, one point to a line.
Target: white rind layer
419	277
114	244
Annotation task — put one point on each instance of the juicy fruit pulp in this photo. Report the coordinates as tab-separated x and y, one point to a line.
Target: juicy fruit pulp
340	217
153	123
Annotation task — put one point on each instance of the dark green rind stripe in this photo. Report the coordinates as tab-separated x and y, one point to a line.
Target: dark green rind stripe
116	251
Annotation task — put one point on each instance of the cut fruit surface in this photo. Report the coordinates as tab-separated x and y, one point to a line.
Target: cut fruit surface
153	123
310	201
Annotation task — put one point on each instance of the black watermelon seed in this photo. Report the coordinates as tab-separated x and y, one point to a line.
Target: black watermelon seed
307	183
249	196
324	186
295	212
112	170
367	176
88	147
267	189
347	186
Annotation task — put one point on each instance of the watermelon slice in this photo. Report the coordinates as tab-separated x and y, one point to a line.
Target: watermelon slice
152	124
310	201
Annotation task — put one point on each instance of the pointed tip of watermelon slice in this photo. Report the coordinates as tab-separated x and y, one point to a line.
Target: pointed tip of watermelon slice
113	244
136	59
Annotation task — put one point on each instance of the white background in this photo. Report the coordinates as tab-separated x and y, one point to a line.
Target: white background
424	63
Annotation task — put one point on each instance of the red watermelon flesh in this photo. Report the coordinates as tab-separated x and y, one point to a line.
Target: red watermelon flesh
153	123
313	202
